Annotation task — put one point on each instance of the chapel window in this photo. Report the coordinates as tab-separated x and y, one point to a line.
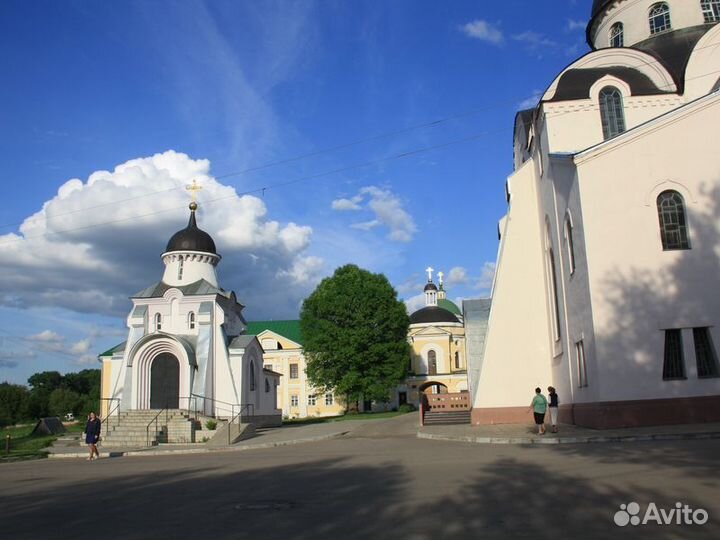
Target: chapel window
267	386
252	376
612	114
581	364
158	322
457	360
673	225
432	363
312	400
191	320
711	10
180	269
617	35
659	17
705	355
673	361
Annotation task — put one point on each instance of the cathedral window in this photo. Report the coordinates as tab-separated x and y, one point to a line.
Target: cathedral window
659	18
674	362
673	226
570	244
158	322
705	355
711	10
191	320
617	35
457	360
252	376
432	363
612	114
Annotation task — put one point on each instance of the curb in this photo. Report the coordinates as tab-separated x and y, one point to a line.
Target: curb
572	440
169	452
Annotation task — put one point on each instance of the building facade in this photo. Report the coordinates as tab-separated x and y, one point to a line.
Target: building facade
188	346
609	252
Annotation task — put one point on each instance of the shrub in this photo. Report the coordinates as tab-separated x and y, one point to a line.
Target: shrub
211	424
406	408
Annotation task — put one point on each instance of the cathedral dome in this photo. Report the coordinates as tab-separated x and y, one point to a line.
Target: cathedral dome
430	287
433	314
191	238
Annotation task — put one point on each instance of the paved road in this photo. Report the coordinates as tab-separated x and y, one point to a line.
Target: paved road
377	482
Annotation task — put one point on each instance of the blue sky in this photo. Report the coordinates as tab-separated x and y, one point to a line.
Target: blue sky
378	133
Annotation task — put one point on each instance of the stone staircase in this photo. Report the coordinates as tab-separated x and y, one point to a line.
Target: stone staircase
129	428
446	418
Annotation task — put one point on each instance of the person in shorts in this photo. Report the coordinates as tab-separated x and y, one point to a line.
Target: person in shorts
539	406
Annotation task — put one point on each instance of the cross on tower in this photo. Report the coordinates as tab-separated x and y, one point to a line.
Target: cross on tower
429	270
193	189
440	277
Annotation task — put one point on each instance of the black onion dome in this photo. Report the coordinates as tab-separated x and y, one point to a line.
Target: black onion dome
430	287
191	238
433	314
598	6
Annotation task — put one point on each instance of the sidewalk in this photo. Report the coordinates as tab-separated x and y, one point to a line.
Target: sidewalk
568	434
266	438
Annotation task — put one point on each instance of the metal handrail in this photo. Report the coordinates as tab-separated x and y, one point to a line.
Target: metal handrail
195	397
106	420
249	406
147	429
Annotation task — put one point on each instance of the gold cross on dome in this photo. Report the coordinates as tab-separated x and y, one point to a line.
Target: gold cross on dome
440	277
429	271
193	189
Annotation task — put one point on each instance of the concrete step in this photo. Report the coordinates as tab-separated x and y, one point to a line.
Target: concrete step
447	418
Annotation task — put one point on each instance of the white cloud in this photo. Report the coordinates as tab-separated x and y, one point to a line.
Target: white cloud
484	31
86	360
415	302
46	336
387	210
535	41
97	242
81	347
457	276
347	204
306	270
487	275
366	225
573	25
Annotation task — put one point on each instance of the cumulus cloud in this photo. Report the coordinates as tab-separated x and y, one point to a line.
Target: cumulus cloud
98	241
414	303
46	336
484	31
86	360
366	225
347	204
81	347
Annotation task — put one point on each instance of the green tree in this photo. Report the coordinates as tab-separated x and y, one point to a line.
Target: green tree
45	381
355	335
63	401
14	402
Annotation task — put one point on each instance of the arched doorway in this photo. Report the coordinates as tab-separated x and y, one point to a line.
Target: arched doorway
165	382
434	387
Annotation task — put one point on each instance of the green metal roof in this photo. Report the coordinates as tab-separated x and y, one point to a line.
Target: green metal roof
450	306
288	329
116	348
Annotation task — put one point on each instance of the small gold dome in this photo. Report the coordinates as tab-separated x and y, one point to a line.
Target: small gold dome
193	206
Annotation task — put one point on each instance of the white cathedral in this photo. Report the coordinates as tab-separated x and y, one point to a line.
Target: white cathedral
187	348
607	281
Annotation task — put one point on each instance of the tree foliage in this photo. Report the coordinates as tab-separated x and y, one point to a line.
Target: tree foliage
355	335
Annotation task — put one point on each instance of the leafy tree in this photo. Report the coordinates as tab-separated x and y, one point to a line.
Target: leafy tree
45	381
355	335
14	401
63	401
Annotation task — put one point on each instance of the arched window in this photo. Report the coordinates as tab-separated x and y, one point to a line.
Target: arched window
158	322
457	360
711	10
570	244
673	226
553	282
617	38
659	17
191	320
611	112
252	376
432	363
267	385
180	269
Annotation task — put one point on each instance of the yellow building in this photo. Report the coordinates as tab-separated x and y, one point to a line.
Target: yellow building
438	363
283	353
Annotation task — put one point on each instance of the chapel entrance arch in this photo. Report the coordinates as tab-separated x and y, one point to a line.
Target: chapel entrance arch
165	382
434	387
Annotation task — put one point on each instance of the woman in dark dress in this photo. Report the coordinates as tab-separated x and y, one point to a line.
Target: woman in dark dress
92	435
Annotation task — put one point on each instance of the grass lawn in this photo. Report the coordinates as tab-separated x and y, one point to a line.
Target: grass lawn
23	445
342	418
